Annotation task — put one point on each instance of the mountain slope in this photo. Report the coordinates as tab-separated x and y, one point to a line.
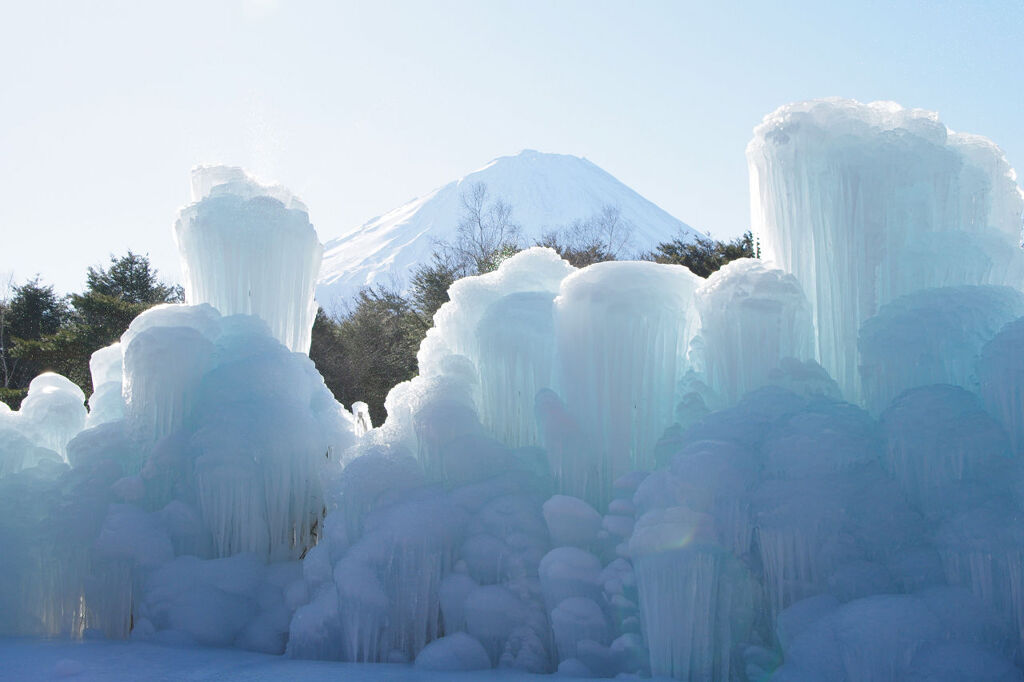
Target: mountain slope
545	191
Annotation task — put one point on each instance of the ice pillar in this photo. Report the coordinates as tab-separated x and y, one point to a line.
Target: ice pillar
867	202
250	249
621	332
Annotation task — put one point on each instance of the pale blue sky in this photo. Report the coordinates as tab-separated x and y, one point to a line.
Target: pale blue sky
358	107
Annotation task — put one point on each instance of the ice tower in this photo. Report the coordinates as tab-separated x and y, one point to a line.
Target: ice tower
250	249
867	202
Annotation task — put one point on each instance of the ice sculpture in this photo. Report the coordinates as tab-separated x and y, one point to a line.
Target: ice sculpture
250	249
53	412
502	322
617	470
751	317
106	367
863	203
200	480
163	366
680	569
636	319
516	339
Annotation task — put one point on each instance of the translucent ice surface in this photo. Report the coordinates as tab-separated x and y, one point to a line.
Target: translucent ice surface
751	317
637	319
863	203
250	249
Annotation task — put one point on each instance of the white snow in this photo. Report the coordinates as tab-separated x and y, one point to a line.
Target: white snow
545	191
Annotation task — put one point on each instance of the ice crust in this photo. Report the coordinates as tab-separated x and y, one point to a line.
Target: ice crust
804	469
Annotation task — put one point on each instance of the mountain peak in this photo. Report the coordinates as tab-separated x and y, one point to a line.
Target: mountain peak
546	191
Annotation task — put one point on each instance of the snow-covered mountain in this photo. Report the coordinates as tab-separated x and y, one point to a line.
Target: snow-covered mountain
545	191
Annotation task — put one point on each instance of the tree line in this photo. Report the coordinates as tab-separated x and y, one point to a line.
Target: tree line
361	350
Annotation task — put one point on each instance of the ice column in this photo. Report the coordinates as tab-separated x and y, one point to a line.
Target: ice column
106	367
516	353
696	600
163	366
867	202
751	317
247	248
622	329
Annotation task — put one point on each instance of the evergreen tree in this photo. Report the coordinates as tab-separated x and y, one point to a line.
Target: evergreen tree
365	352
704	255
131	279
98	316
428	289
32	312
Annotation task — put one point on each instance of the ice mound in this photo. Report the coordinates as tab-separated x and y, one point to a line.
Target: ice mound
864	203
941	444
454	652
250	249
932	336
212	460
180	512
751	318
1001	378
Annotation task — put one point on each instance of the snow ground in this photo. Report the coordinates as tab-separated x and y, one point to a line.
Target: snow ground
29	660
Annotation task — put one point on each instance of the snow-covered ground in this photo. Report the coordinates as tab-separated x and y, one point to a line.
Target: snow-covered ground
28	660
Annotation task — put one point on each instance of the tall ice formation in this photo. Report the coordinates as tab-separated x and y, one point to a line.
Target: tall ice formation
250	249
867	202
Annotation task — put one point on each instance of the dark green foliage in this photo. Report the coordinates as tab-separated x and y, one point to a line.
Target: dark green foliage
372	347
49	333
131	279
36	310
30	312
97	321
496	258
704	255
13	396
428	289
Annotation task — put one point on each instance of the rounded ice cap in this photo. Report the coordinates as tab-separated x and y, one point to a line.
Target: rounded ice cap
218	180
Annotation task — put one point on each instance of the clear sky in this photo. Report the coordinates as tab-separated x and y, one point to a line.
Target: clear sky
360	106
